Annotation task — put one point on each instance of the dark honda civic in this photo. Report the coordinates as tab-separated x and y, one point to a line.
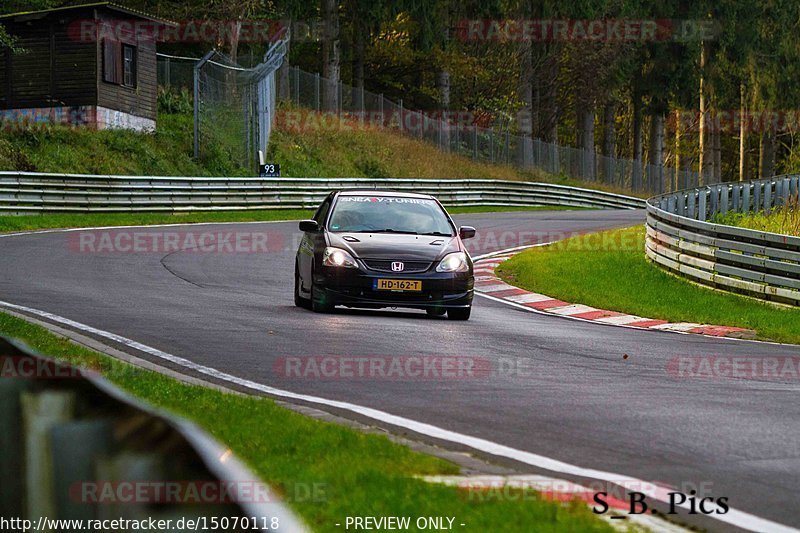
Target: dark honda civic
374	249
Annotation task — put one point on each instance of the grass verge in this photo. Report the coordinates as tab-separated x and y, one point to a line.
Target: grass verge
357	473
784	220
89	220
610	271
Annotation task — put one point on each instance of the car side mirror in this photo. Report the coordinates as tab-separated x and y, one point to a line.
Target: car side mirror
466	232
309	225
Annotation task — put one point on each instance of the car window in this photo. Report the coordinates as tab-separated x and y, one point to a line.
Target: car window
362	214
322	212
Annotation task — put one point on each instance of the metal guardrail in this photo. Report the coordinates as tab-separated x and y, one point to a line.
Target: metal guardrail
23	192
755	263
75	447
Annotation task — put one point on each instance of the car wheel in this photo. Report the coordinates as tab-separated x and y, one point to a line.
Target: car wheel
459	314
299	301
435	311
317	305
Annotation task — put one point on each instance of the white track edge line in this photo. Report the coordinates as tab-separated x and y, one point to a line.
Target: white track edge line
733	516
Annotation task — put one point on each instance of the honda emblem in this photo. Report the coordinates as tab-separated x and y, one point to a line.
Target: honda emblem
397	266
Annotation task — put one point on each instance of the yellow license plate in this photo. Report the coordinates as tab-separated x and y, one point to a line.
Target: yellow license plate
398	285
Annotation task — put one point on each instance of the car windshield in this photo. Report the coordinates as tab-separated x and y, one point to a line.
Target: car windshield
389	214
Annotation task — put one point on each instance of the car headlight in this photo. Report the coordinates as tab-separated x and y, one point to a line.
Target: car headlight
455	262
336	257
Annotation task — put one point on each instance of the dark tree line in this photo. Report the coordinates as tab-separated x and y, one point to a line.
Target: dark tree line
676	98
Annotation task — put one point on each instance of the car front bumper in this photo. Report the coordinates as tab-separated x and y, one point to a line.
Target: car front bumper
354	288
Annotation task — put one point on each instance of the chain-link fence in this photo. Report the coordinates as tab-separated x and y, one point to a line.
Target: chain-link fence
458	133
234	106
236	112
175	72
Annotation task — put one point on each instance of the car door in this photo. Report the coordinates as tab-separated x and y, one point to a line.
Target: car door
312	244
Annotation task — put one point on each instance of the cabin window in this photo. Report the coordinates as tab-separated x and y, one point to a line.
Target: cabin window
111	61
128	65
119	63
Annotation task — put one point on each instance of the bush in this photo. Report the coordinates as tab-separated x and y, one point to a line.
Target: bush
173	101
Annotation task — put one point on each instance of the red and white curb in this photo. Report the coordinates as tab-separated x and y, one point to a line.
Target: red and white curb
487	283
519	487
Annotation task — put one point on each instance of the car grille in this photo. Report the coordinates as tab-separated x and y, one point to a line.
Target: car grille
409	267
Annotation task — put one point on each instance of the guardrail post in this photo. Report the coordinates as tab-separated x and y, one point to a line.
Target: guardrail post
40	413
701	205
767	197
745	198
723	200
11	488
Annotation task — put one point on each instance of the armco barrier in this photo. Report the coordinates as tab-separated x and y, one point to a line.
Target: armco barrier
760	264
75	447
23	192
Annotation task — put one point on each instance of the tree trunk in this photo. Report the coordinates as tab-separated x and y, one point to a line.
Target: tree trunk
548	110
609	133
766	155
716	149
235	37
359	53
524	115
586	140
637	125
657	139
330	55
677	183
742	133
703	146
443	84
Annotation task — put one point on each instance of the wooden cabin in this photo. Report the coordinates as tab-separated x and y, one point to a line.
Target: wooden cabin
91	65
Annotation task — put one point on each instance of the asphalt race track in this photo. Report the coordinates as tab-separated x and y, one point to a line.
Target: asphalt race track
571	396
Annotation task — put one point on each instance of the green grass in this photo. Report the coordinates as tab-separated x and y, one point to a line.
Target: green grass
352	151
167	152
88	220
785	220
610	271
355	473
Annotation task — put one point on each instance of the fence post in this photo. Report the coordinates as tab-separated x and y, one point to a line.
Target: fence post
196	93
400	119
297	86
167	73
316	92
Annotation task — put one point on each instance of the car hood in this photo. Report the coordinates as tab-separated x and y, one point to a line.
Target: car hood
394	246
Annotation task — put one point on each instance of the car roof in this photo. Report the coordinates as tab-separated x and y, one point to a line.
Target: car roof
382	192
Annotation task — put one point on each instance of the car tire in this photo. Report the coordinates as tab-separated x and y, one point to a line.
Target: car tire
459	314
316	305
299	301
